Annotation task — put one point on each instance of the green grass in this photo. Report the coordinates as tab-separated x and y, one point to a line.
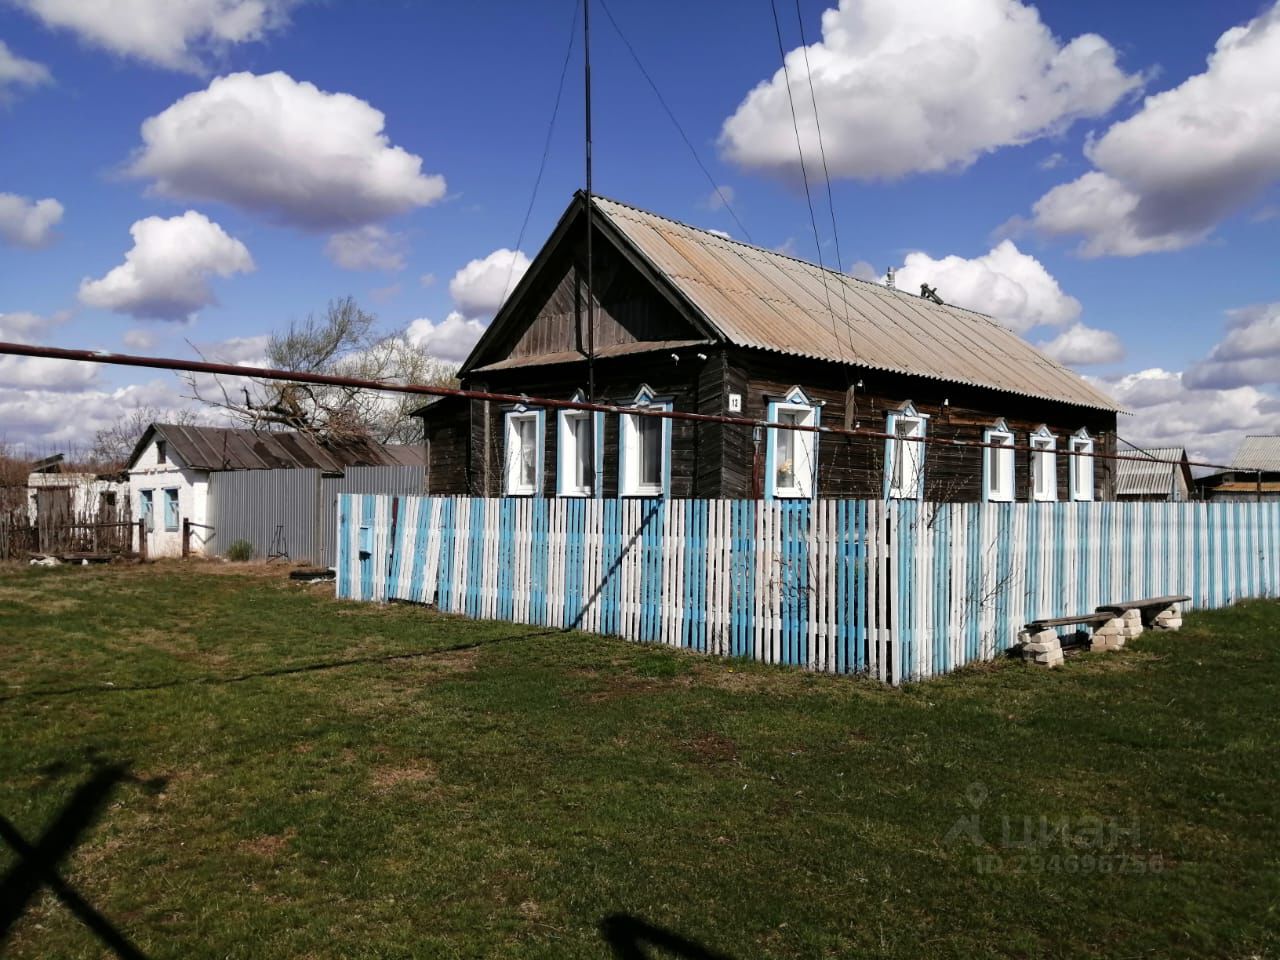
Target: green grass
324	779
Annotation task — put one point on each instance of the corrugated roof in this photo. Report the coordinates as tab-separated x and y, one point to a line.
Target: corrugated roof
223	448
1140	478
572	356
763	299
1258	453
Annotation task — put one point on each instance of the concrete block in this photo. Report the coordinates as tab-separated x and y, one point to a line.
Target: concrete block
1038	646
1132	614
1048	659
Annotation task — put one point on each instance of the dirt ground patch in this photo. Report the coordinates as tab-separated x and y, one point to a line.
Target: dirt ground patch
386	778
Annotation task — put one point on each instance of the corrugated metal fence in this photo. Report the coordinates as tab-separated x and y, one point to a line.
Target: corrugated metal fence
900	590
300	505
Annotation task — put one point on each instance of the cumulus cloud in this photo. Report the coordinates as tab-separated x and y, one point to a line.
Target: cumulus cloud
1168	411
53	376
864	271
28	223
482	285
906	86
719	198
1005	283
168	33
15	71
23	327
36	416
1079	345
1190	157
451	339
284	149
1249	355
367	248
138	339
165	276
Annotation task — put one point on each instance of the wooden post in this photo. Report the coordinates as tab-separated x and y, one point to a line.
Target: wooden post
142	539
186	537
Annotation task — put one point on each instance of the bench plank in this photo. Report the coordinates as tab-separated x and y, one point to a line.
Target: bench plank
1143	604
1065	621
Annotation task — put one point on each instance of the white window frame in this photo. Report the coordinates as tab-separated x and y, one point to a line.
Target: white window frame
907	483
998	462
567	451
804	444
1044	466
629	484
513	485
1080	468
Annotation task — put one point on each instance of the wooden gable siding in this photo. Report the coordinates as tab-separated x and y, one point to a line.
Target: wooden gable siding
854	466
627	310
446	427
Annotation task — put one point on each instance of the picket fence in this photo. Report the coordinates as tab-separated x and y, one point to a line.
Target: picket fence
899	590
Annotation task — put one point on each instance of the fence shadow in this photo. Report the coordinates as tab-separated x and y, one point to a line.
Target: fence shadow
650	514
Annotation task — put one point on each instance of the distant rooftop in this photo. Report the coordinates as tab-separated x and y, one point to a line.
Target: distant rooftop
1258	453
224	448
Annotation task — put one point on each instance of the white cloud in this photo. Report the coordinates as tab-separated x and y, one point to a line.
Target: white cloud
165	276
1169	412
427	279
37	416
722	234
242	351
1079	345
451	339
27	223
15	71
138	339
1189	158
23	327
1052	161
905	86
864	271
283	149
55	376
482	285
719	198
1249	355
367	248
1005	283
167	33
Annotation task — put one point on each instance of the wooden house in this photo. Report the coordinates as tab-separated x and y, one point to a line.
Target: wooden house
688	320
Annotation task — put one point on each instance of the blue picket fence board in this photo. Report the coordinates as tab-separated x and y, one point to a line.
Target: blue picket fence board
950	584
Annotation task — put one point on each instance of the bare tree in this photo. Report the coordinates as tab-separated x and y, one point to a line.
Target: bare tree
344	342
113	444
14	469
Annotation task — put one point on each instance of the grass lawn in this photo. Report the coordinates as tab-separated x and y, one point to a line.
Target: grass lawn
311	778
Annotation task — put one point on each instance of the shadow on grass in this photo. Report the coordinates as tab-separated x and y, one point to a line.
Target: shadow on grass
628	936
276	671
37	865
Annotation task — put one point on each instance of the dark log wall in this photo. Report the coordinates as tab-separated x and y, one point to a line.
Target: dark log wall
445	431
692	385
854	467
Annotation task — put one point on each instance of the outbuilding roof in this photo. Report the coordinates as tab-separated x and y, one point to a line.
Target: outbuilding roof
224	448
763	299
1258	453
1150	478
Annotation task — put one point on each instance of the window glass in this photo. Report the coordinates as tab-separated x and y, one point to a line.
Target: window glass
785	461
528	451
650	447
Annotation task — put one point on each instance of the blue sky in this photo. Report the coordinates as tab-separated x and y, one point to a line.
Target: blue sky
942	151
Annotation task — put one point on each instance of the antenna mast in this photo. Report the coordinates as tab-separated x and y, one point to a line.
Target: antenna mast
591	318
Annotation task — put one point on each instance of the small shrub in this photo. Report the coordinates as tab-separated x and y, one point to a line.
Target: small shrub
240	551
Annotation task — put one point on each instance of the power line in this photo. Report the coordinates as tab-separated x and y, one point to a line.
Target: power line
546	149
430	390
671	115
804	174
826	173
